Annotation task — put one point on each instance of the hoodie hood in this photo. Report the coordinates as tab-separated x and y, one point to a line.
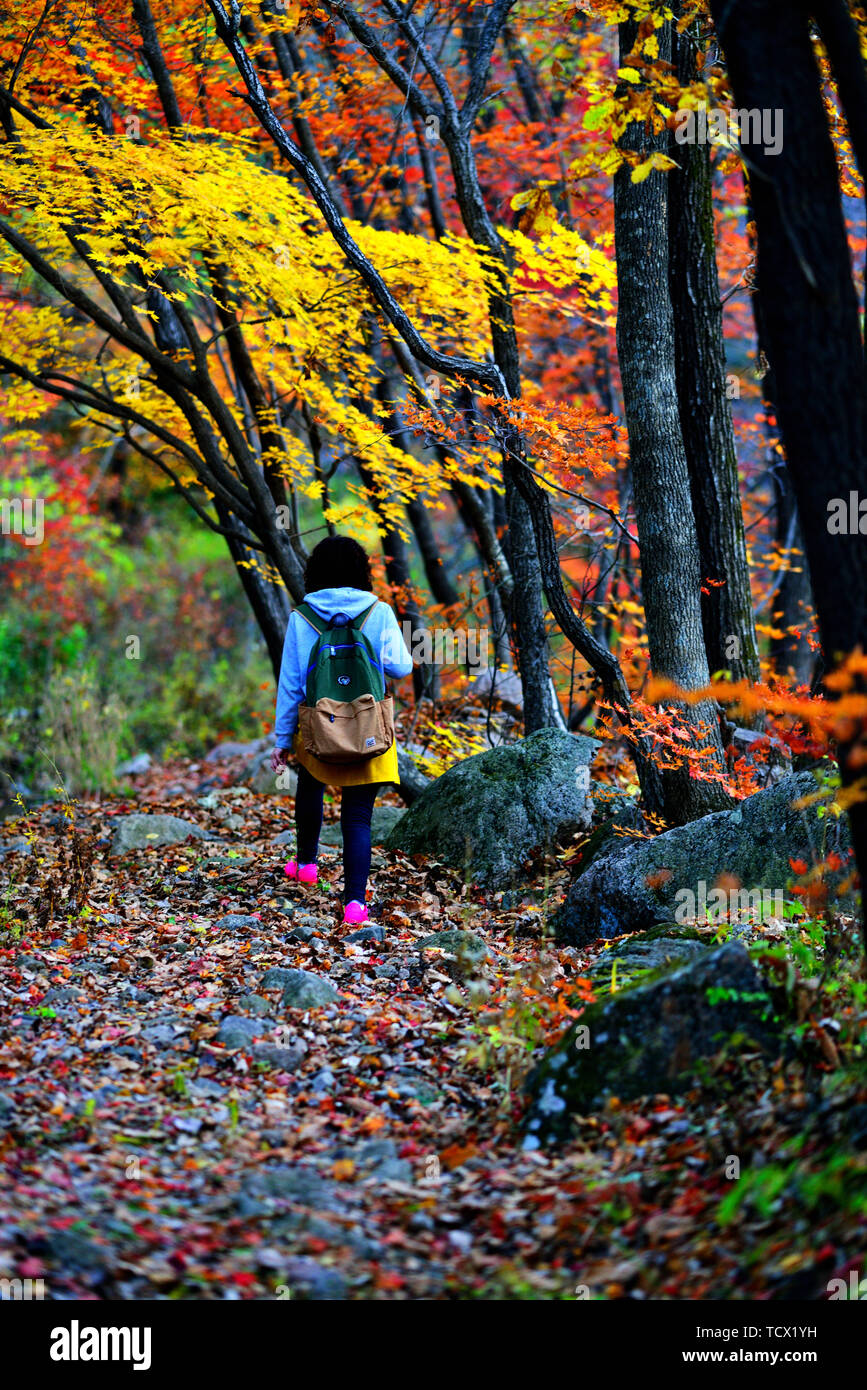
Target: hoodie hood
329	602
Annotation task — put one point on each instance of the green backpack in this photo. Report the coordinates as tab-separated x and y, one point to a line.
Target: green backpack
347	716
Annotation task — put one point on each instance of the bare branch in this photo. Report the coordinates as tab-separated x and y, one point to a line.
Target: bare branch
496	18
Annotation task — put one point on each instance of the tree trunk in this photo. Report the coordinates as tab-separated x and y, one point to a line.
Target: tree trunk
473	511
541	706
792	604
397	571
792	608
269	602
705	416
811	311
670	567
441	586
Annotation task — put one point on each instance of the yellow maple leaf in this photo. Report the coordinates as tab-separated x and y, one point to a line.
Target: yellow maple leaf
656	161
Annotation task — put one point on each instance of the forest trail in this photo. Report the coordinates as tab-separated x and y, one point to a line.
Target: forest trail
173	1128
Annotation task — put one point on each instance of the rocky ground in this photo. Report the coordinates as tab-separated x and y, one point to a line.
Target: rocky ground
207	1090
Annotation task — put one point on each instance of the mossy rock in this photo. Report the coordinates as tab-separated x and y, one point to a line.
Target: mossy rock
490	814
642	955
635	884
652	1037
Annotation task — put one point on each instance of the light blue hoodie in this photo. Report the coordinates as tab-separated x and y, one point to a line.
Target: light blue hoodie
381	627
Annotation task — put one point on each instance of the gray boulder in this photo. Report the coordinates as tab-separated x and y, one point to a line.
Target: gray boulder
652	1037
18	846
238	1031
301	988
145	831
631	960
223	751
134	767
636	884
488	814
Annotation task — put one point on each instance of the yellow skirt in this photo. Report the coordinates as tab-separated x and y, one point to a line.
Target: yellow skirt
381	769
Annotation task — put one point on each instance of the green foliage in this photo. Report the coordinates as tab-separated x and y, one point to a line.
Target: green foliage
837	1183
77	696
193	704
819	974
80	733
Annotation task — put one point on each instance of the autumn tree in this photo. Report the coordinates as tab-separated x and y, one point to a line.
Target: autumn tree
500	376
185	298
702	387
670	560
810	307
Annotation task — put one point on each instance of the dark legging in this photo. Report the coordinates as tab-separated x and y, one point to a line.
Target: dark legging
356	808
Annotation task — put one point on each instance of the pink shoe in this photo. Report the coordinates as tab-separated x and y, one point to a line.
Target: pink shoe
305	873
354	914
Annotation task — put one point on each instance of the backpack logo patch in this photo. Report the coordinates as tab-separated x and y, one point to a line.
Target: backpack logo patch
343	680
370	743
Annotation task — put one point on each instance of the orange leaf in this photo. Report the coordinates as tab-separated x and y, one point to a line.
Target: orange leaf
455	1155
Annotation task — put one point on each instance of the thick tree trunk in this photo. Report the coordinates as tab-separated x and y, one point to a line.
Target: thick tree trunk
792	609
810	310
705	416
670	566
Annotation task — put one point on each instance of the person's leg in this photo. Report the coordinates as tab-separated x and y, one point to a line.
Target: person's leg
308	816
356	809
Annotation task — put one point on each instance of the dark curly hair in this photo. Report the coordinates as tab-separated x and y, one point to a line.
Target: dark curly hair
338	562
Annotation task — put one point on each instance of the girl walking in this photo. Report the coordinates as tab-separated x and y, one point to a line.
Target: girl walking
338	589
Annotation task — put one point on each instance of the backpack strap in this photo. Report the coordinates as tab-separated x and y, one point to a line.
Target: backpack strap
358	623
311	617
